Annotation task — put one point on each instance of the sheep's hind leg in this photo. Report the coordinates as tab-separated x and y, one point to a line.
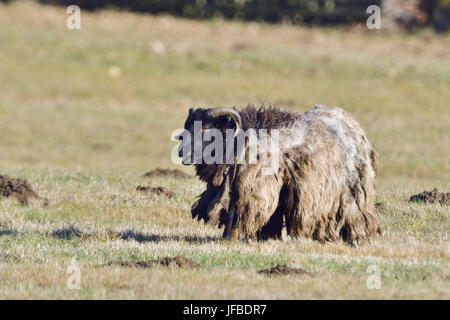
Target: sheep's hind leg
273	228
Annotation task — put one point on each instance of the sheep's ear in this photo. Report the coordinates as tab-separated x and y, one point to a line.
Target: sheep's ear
231	122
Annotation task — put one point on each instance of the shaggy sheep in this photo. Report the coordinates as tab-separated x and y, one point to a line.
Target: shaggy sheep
323	187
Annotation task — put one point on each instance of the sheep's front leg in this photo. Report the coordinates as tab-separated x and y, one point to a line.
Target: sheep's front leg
227	233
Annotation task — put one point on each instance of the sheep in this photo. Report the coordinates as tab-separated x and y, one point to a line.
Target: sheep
323	187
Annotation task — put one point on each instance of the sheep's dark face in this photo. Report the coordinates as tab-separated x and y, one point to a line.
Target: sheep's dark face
192	139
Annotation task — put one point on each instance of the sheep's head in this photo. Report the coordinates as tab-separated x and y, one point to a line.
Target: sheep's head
196	127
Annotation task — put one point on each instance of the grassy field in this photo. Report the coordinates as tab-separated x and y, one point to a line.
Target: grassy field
84	113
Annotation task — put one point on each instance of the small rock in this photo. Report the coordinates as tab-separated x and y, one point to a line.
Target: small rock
114	72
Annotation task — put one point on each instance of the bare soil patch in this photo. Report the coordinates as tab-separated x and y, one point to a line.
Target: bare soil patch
19	189
433	196
282	269
178	261
160	191
158	172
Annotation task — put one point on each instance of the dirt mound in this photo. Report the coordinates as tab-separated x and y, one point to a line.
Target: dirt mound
160	191
432	196
166	172
19	189
178	261
379	206
282	269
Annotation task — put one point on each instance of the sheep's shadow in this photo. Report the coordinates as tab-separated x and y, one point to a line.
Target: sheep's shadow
141	237
8	232
67	233
73	233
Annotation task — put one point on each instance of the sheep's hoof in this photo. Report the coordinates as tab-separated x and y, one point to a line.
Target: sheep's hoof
226	237
249	241
354	244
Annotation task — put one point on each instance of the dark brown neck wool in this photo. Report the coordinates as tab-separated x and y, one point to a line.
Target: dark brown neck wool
267	117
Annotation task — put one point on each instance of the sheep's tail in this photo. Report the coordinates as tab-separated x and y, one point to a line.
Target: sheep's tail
374	160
